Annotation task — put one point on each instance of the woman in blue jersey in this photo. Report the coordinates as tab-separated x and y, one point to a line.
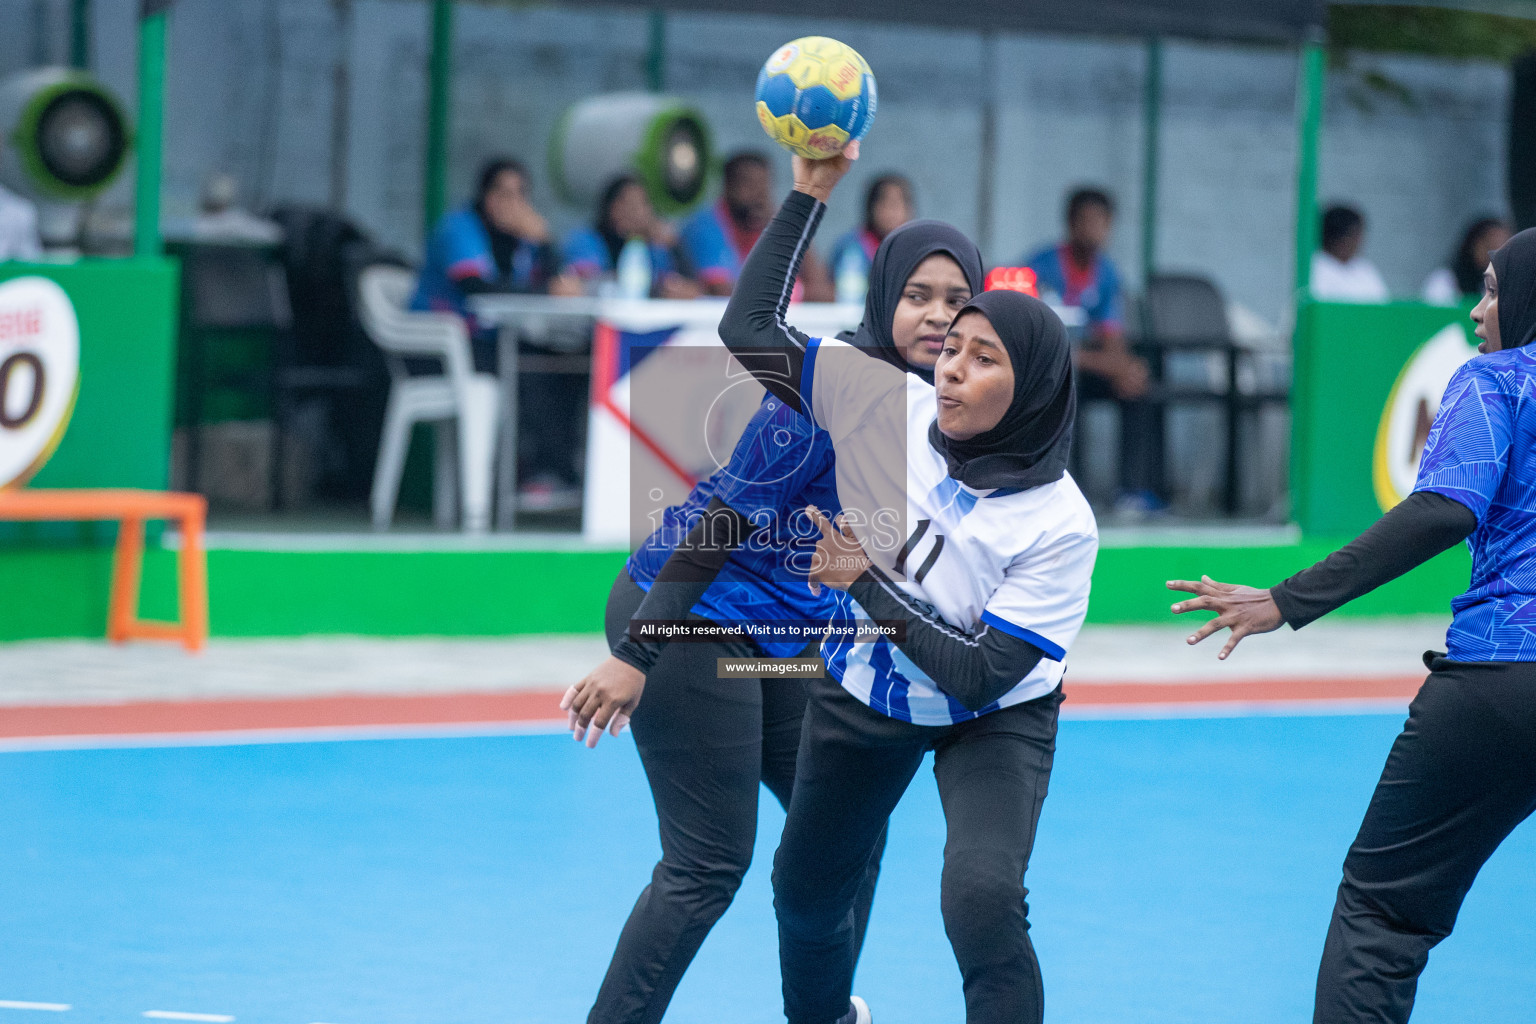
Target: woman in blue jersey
735	555
1462	774
980	552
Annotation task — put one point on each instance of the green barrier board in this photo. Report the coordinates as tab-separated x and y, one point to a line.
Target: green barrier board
63	591
120	434
1366	383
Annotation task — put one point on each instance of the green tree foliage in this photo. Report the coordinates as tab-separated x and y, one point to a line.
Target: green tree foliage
1436	31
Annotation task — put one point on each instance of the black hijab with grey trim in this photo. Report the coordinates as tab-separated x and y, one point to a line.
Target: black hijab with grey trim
898	256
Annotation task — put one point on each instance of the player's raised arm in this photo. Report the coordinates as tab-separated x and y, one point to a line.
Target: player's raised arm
754	326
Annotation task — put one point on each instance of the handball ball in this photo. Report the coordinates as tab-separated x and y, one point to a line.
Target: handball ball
816	95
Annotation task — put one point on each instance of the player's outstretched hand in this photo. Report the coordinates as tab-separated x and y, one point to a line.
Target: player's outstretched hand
1245	610
603	700
839	558
818	177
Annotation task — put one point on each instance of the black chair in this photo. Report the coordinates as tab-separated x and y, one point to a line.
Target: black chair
323	253
1185	313
236	287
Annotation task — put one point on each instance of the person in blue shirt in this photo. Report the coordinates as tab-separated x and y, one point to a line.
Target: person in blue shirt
1078	272
717	239
498	243
1462	774
735	556
624	213
887	206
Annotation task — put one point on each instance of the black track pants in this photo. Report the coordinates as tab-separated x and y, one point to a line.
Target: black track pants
1459	779
855	763
706	743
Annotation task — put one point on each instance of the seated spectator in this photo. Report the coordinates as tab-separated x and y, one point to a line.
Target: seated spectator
1339	272
1462	281
1078	272
500	243
716	239
625	213
887	206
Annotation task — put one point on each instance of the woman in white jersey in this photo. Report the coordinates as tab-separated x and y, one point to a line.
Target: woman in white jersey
973	543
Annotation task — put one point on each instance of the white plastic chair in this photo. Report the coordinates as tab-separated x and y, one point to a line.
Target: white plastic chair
456	398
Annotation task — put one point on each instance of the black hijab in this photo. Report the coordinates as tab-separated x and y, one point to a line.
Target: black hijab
1030	444
894	262
1514	265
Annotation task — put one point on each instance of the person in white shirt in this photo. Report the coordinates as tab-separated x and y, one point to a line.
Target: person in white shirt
1339	272
18	228
1462	279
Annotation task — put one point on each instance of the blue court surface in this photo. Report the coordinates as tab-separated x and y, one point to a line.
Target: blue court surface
1184	872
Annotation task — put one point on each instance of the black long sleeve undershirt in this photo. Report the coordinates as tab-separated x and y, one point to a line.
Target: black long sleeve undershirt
1416	530
975	670
683	578
753	327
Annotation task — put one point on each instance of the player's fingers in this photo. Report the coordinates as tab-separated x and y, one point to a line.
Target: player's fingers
1214	626
585	704
570	695
599	723
1184	585
1220	588
1198	604
1238	632
851	151
616	726
821	521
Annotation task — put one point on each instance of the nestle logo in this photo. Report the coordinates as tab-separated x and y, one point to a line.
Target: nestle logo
21	323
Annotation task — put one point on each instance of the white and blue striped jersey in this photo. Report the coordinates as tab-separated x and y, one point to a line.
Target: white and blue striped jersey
1020	561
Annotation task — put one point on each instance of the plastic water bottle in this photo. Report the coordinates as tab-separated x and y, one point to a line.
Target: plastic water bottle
634	270
852	277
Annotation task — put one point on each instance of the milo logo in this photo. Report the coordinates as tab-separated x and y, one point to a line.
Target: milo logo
1410	412
39	374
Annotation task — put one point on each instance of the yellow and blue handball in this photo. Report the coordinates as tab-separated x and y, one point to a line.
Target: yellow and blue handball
816	95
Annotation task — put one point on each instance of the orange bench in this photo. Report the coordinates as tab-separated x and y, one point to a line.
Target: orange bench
131	508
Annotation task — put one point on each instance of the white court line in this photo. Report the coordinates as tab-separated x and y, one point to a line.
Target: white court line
211	1018
316	734
17	1004
1238	709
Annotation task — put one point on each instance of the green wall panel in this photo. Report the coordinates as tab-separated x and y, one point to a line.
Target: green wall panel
1347	359
63	591
120	434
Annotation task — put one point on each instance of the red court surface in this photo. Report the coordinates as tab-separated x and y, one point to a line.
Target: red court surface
538	709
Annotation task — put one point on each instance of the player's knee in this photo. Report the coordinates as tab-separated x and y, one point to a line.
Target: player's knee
805	899
1401	908
705	882
982	898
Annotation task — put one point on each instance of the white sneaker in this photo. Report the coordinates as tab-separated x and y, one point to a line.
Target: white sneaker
861	1014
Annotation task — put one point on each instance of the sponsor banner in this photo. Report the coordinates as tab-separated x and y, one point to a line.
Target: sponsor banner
39	374
1368	381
